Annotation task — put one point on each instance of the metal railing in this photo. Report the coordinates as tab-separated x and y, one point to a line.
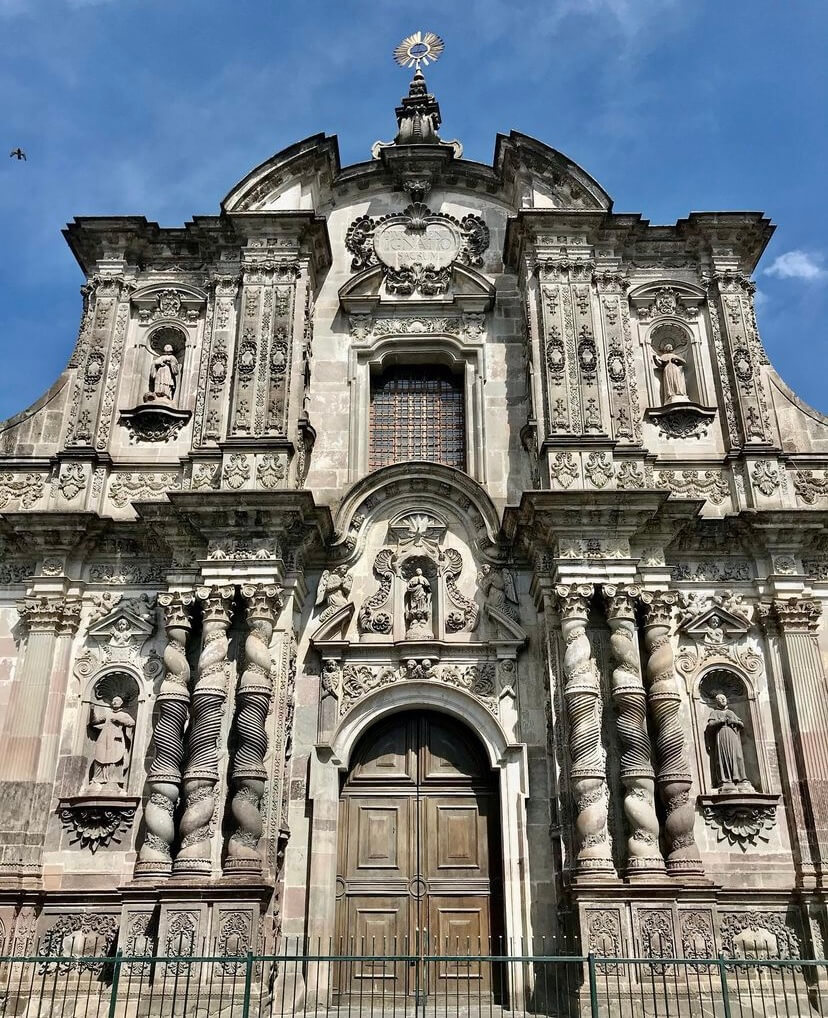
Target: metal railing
380	984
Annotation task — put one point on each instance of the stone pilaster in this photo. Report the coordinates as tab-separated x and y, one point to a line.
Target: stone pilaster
264	348
31	731
214	370
99	353
164	779
48	620
582	692
255	690
201	774
732	294
643	855
664	702
625	408
797	620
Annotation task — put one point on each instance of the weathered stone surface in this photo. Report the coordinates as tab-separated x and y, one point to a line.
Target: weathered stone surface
197	540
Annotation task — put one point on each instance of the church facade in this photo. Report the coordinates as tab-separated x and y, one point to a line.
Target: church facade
415	548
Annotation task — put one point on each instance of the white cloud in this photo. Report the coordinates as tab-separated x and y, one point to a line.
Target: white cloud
797	265
761	299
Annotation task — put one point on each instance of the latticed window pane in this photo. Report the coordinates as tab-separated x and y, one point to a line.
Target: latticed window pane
417	414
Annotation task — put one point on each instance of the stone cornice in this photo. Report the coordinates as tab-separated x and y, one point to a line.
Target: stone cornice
542	517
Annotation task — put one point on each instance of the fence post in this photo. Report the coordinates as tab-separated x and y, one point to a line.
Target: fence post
248	979
725	991
593	985
116	978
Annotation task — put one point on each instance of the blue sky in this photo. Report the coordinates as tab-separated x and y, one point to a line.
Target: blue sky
157	107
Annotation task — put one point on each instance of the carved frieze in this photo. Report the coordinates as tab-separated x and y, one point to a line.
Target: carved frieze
24	489
134	486
707	484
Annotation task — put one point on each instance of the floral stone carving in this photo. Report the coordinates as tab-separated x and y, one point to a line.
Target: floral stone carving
154	422
741	818
681	420
95	821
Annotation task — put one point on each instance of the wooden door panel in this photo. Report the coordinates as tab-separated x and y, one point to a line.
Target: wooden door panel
459	926
379	837
390	757
375	927
455	838
447	755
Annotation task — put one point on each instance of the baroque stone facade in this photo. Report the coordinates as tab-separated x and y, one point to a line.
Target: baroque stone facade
217	581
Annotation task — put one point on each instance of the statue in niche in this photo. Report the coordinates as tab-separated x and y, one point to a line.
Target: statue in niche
418	607
498	587
163	378
110	759
723	735
673	368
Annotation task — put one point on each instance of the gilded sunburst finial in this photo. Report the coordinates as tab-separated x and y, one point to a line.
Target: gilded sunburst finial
420	48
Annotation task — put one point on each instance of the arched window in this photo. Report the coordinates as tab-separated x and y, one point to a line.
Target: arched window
417	413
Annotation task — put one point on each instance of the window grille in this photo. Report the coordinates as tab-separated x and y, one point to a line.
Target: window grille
417	414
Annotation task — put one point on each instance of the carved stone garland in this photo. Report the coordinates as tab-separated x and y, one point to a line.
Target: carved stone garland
155	858
582	695
201	774
248	772
664	700
637	776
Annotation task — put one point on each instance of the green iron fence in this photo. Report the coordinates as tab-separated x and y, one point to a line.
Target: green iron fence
383	984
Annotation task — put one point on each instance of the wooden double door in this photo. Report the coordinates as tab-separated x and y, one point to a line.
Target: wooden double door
419	859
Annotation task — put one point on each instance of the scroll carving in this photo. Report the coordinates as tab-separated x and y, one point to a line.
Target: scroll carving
374	615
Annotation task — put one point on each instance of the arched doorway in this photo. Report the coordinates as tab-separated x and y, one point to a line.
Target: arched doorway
419	857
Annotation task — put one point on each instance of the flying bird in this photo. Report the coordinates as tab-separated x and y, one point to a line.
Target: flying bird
17	153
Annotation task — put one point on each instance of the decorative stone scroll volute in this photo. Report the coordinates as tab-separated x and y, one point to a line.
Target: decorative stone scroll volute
164	779
643	855
248	772
664	701
201	775
582	692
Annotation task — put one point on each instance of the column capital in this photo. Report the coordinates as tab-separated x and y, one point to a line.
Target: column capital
177	607
659	606
263	601
50	613
621	600
217	603
572	599
792	614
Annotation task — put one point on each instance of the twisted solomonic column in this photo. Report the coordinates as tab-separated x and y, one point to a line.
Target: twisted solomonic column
248	772
582	691
164	778
643	855
664	700
201	774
